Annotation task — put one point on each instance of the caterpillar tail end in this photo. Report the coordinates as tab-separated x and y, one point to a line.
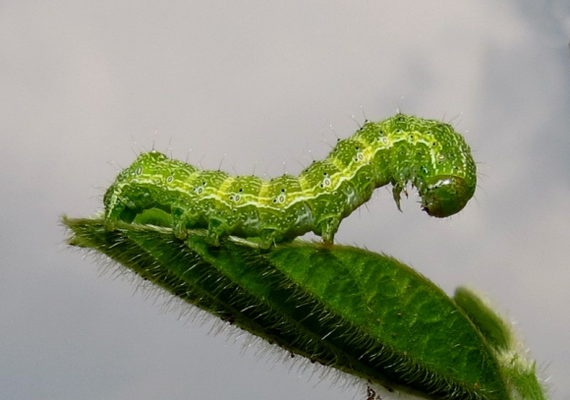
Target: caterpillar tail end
111	219
118	213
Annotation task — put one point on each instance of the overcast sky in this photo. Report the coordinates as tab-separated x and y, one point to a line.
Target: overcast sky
256	86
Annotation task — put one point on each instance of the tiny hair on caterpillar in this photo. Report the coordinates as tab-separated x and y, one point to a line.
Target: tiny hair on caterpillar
400	150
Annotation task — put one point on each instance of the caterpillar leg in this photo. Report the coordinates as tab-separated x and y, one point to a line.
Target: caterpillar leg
327	229
268	238
396	191
217	228
179	223
184	218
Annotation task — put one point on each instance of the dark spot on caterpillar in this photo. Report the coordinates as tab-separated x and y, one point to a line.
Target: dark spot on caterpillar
396	152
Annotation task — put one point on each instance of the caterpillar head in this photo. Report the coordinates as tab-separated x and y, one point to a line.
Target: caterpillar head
445	195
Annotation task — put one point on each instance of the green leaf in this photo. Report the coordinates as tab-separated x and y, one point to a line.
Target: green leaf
363	313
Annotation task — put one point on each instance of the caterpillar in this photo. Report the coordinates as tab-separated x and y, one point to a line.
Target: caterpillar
401	150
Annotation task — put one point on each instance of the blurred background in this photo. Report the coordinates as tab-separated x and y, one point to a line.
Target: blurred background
255	86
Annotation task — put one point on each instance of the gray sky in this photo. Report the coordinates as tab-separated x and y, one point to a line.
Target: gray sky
255	86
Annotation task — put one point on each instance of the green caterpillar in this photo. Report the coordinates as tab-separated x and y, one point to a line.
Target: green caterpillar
400	150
